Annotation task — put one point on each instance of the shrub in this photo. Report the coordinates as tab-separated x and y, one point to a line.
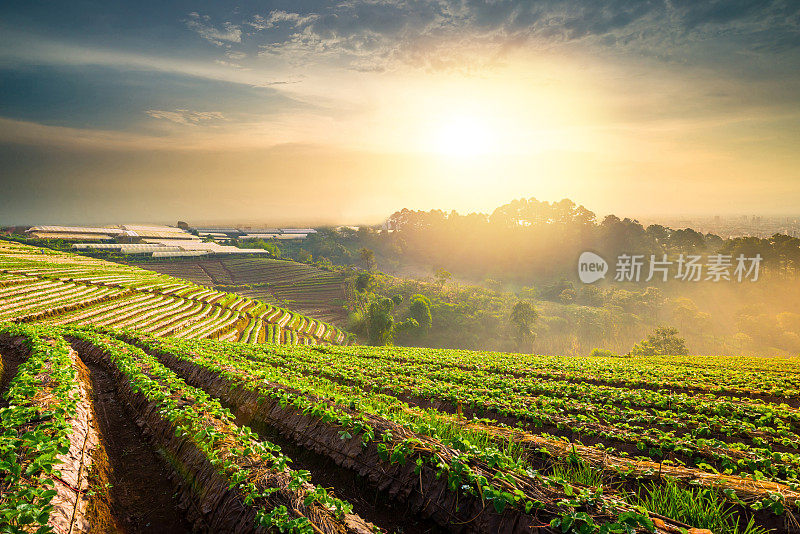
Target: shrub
663	341
603	353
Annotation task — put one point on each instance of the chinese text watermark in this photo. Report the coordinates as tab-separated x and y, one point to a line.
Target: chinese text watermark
685	267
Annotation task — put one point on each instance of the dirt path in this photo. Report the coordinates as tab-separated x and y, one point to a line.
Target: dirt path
141	494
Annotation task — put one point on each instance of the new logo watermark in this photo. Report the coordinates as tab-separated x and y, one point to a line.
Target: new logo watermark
688	268
591	267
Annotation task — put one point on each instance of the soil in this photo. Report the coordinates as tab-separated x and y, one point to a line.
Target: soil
12	354
375	506
141	496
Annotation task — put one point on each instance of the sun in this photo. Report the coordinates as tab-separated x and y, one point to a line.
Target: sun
462	136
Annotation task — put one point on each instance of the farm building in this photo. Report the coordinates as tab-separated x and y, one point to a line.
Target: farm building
151	240
305	231
267	233
128	232
161	241
74	233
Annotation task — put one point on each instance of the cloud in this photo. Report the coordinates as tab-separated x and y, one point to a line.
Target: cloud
20	133
111	98
279	17
229	33
444	34
232	59
19	48
235	56
185	116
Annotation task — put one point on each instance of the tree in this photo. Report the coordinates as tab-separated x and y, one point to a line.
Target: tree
684	311
420	311
273	249
553	290
591	296
651	301
367	258
381	326
523	316
664	341
528	293
442	277
269	246
364	282
567	296
380	321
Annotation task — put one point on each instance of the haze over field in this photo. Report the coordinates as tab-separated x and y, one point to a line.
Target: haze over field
347	111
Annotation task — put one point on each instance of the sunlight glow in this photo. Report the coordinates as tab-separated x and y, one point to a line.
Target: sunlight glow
463	136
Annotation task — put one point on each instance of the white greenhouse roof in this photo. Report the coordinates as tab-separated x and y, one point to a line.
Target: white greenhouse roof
181	254
298	231
75	230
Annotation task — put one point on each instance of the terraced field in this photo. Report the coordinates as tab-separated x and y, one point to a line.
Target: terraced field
43	285
253	438
297	286
128	407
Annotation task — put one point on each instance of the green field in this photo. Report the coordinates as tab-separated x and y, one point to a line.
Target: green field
38	284
297	286
253	418
303	438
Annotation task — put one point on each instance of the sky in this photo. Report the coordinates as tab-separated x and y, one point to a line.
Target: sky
315	112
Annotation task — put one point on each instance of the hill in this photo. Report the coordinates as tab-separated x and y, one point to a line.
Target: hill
304	288
38	284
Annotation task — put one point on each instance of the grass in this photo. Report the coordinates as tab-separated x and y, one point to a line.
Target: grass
699	507
574	470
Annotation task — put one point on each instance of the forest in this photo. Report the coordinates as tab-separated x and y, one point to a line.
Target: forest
473	269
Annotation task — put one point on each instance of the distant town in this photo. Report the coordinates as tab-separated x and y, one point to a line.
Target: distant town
731	226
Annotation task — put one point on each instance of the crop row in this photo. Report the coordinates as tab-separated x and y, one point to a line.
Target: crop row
473	465
310	366
234	481
250	472
745	376
34	430
600	413
60	291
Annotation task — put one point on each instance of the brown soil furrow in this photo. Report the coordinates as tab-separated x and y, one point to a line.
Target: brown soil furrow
425	493
71	503
137	486
212	505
